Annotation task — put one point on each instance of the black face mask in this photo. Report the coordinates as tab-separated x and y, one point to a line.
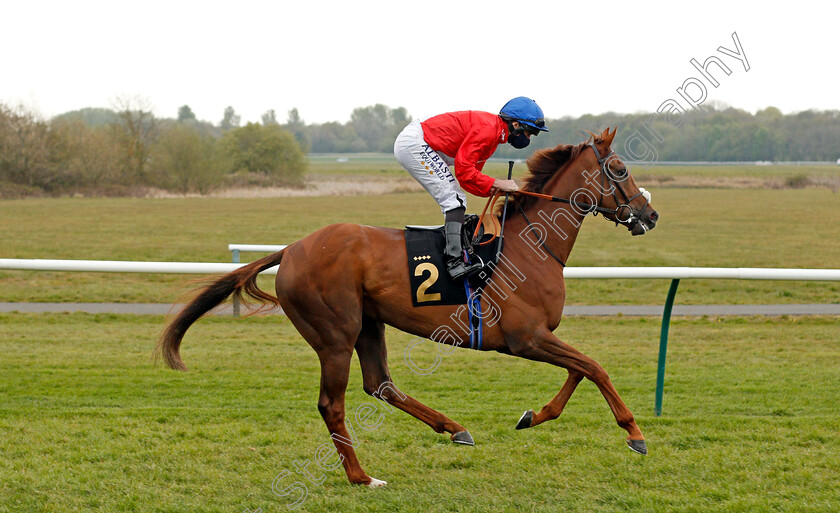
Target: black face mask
519	140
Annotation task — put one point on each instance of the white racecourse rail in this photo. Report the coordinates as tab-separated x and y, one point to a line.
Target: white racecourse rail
670	273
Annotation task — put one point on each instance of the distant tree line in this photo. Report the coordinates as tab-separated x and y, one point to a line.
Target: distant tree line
717	133
123	150
126	150
370	129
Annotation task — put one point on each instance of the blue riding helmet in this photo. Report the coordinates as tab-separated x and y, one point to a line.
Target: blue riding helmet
526	111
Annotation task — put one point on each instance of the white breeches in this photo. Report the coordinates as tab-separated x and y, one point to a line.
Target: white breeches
429	167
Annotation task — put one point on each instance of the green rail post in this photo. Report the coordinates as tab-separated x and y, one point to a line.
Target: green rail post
235	299
663	346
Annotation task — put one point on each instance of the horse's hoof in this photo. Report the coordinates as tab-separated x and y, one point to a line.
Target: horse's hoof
525	420
376	483
463	437
638	446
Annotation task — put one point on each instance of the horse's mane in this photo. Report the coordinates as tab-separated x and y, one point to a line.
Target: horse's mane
543	165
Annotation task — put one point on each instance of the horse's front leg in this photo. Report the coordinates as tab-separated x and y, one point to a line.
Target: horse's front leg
545	347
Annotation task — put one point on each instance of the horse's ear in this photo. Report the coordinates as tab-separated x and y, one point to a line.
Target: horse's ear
607	136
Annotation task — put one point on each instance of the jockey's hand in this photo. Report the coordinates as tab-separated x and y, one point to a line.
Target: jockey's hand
504	186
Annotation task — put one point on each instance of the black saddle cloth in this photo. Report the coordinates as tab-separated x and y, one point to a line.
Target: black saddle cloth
430	282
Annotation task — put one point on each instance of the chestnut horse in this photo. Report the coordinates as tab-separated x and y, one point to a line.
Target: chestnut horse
342	284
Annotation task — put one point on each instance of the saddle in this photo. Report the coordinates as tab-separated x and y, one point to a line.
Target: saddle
430	282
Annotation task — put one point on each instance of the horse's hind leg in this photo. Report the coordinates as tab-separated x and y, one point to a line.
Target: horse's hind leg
554	408
373	357
332	338
545	347
335	372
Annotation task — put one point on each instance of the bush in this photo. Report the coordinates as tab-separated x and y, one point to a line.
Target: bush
58	157
266	150
82	157
183	160
24	150
11	190
799	181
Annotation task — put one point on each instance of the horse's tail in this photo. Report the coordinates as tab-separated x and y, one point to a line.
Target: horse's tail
239	282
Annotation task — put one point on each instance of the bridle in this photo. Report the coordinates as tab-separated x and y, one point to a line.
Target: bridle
606	178
614	184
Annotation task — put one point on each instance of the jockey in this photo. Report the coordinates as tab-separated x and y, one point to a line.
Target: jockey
464	140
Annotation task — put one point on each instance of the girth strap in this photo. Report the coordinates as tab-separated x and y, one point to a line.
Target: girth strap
474	315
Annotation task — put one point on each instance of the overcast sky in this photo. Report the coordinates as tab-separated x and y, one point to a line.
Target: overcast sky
327	57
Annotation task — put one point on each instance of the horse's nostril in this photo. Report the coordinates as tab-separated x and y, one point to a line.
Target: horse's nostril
654	216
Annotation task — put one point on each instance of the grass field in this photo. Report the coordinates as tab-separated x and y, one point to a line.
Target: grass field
88	423
699	227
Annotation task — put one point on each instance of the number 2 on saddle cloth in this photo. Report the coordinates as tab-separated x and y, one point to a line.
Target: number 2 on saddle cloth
430	282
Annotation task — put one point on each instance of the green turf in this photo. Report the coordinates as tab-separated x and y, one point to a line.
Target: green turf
699	227
88	423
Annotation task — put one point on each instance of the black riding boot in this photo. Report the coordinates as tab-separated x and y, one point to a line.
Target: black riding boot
455	253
